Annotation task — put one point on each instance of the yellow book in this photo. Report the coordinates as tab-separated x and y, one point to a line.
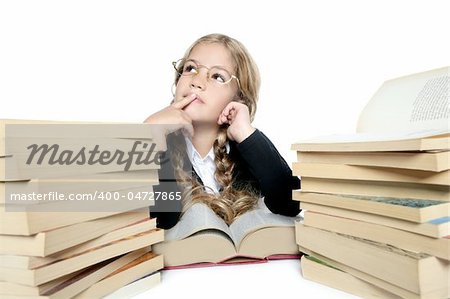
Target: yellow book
315	270
439	247
364	173
414	210
376	188
71	285
429	161
383	284
417	273
137	287
34	262
34	277
146	265
436	228
51	241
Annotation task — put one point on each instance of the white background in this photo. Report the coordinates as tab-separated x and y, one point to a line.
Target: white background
320	61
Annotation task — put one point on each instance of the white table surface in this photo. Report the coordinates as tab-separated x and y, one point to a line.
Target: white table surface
274	279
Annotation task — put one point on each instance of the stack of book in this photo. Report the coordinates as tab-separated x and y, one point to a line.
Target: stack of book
74	215
377	204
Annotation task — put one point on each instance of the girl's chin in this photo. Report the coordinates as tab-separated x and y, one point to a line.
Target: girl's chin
203	122
198	115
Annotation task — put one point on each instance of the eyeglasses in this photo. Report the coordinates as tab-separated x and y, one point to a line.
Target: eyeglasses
216	74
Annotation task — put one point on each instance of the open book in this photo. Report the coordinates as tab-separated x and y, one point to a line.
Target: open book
203	237
409	113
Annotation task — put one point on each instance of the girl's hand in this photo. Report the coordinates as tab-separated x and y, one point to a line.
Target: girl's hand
171	119
238	117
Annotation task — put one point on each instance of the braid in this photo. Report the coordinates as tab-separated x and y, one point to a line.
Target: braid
223	204
224	167
230	202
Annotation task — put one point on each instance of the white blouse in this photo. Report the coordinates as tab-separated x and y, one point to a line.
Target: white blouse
204	167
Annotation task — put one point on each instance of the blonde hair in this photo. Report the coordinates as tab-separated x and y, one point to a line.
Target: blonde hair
246	69
230	202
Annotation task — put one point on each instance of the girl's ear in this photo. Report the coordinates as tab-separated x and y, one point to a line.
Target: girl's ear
239	97
173	89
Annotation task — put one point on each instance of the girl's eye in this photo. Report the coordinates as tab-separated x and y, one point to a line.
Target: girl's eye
218	77
189	68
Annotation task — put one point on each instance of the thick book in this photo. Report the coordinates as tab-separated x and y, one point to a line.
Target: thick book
34	262
368	173
136	287
48	160
58	203
436	228
20	147
31	219
11	288
417	273
70	286
34	277
410	113
434	140
136	270
429	161
383	284
72	129
318	271
414	210
23	223
74	196
15	136
84	182
376	188
439	247
203	237
49	242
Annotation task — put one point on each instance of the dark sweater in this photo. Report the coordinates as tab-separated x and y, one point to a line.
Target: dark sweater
257	162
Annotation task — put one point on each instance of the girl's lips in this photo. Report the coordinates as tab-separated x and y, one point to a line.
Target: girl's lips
197	99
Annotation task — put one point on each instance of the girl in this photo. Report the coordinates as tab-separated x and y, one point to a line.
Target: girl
222	160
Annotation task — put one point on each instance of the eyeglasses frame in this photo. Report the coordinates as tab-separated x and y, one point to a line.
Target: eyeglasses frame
174	64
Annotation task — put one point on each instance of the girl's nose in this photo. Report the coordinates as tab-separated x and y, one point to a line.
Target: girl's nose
199	80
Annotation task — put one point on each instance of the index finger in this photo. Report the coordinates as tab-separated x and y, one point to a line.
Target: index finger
184	101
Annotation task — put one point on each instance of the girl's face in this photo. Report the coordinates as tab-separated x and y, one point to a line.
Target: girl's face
211	97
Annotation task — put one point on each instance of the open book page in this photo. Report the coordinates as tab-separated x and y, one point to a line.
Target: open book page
198	217
256	219
406	108
414	103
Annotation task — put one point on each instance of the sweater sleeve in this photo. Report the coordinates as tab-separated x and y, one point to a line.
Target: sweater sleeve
167	212
272	173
